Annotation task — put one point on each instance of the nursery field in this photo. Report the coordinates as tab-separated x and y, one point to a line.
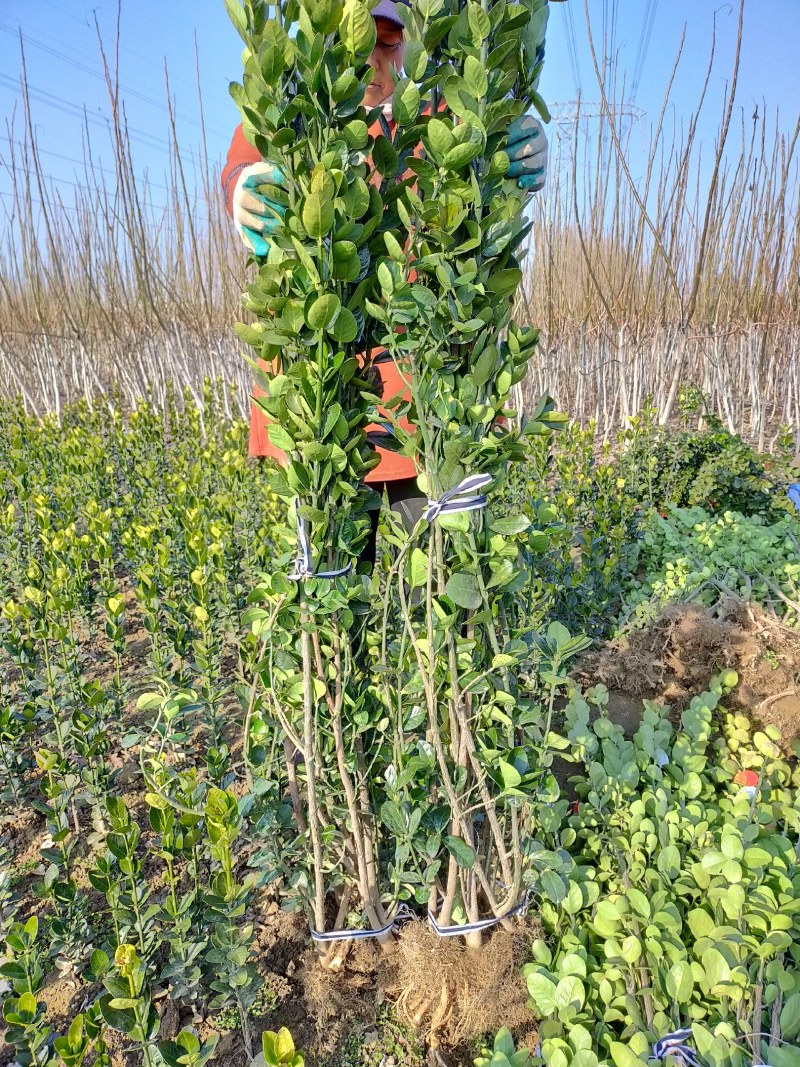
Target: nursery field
496	766
154	888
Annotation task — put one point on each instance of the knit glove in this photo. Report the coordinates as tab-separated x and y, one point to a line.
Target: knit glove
527	150
255	215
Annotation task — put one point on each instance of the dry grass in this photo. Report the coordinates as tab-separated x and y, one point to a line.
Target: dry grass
686	270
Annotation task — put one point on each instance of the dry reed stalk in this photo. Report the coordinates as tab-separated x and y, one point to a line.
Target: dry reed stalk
640	284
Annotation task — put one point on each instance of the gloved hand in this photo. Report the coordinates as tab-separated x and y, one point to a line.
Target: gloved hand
254	214
527	150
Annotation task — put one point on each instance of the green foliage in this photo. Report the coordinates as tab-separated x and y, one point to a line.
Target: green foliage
583	502
232	973
27	1031
187	1050
279	1051
85	1037
23	964
682	888
689	554
503	1053
708	466
343	669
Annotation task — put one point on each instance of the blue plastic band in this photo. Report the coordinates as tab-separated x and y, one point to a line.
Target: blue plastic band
674	1045
793	492
462	497
481	924
304	564
400	916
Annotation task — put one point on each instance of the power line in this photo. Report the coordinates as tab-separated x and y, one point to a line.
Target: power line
88	189
122	47
76	111
644	44
80	162
572	46
85	68
74	209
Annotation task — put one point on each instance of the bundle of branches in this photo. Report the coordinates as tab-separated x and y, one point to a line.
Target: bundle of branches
463	799
408	758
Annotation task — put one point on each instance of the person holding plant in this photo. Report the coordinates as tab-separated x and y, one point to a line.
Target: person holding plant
243	178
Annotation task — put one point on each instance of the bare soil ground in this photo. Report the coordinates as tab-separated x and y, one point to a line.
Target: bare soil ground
674	658
384	1010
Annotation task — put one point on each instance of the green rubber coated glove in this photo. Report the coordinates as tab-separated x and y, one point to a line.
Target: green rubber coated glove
527	150
255	215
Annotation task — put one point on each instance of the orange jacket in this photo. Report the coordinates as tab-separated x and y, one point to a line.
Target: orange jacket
392	466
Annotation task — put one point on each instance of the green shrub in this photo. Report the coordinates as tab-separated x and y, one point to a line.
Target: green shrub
680	892
689	554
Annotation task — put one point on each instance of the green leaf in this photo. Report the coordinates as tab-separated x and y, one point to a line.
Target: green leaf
765	746
509	774
464	151
280	437
325	15
679	981
419	568
583	1057
639	902
463	589
26	1004
123	1021
784	1056
237	16
631	949
345	328
543	993
553	886
479	23
344	86
322	311
99	963
572	963
716	969
624	1056
392	816
459	99
756	857
384	157
700	923
464	854
284	1045
606	919
317	214
790	1017
415	60
394	248
438	139
669	862
513	524
475	76
504	282
570	996
405	102
357	29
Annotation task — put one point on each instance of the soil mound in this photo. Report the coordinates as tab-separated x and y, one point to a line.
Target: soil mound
674	657
444	993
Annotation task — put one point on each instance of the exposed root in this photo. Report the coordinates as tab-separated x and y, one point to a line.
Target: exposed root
451	993
675	656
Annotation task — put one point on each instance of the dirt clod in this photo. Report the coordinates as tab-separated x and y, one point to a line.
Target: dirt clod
673	658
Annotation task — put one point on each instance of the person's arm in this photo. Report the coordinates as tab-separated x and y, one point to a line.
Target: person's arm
244	177
241	154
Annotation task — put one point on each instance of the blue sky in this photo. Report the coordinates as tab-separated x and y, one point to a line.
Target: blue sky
64	67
